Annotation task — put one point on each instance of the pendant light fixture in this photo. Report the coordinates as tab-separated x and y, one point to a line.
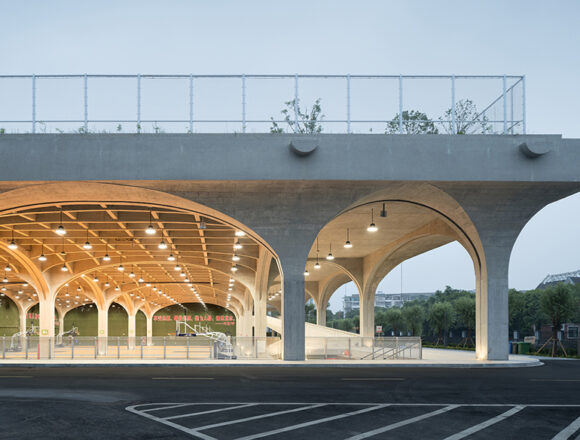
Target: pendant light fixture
150	229
7	268
120	268
13	244
87	246
64	268
60	230
317	264
171	257
177	267
347	243
95	279
330	257
372	227
106	257
42	257
234	268
240	233
306	273
235	257
62	252
237	245
162	245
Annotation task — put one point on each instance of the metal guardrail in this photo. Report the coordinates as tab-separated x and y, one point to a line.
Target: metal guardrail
249	103
202	348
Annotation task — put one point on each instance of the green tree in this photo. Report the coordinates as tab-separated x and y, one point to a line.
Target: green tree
310	313
414	122
467	119
298	121
414	318
558	303
441	318
394	319
465	310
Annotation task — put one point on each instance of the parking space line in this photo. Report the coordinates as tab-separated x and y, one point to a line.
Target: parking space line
209	411
483	425
263	416
568	431
313	422
402	423
179	405
373	378
554	380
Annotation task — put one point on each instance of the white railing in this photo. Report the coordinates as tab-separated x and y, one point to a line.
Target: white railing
253	103
201	348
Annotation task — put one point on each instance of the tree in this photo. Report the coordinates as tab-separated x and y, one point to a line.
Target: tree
414	317
467	119
465	309
414	122
441	317
394	319
310	313
308	122
558	303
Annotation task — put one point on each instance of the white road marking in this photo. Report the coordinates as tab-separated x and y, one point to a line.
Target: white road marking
402	423
209	411
372	378
313	422
483	425
263	416
554	380
568	431
183	378
167	407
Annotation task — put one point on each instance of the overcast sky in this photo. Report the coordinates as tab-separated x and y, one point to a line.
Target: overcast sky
537	38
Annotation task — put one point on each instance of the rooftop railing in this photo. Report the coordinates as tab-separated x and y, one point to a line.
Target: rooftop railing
191	103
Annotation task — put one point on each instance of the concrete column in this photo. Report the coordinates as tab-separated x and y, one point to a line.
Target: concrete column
131	331
61	322
293	326
103	330
321	315
260	315
149	330
367	316
46	328
491	311
22	316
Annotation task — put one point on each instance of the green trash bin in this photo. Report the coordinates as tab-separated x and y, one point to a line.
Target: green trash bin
524	348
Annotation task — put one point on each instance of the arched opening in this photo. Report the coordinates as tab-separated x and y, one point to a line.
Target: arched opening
108	257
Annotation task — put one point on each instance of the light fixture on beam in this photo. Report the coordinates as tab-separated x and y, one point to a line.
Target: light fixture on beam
162	245
238	245
13	246
234	268
7	268
106	257
240	233
235	257
87	246
150	229
330	257
60	230
306	273
42	257
171	257
372	227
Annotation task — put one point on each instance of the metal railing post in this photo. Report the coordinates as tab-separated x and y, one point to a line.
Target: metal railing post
191	103
296	102
86	104
33	103
524	103
511	110
504	106
400	104
243	103
348	104
453	127
164	348
349	347
139	103
118	347
187	348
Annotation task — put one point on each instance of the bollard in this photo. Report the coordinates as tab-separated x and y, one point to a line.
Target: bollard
164	349
118	347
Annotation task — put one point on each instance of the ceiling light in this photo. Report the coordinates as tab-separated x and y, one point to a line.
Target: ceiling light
234	268
317	264
87	245
140	280
330	257
347	243
13	244
238	245
42	257
66	294
5	280
132	274
154	288
235	257
177	267
60	230
186	280
64	268
107	284
148	285
162	245
171	257
3	289
240	233
372	227
117	288
230	289
95	279
106	257
120	268
182	274
7	268
306	273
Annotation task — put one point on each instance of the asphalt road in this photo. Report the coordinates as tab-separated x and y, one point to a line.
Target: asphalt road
290	403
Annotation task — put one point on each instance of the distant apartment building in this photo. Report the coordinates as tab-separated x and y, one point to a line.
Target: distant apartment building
565	277
382	299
